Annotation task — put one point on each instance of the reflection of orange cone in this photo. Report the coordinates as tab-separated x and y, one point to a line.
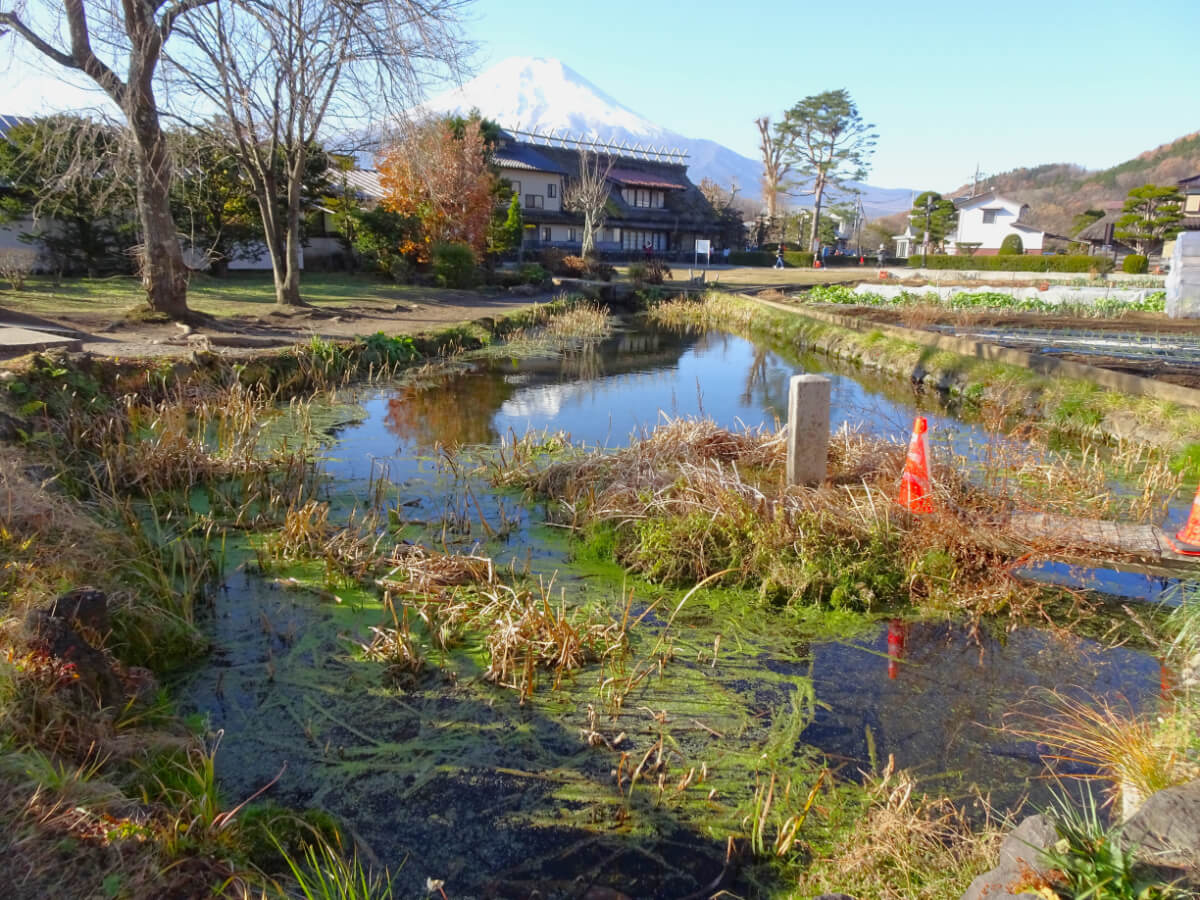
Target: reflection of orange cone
1187	540
1166	681
914	483
897	632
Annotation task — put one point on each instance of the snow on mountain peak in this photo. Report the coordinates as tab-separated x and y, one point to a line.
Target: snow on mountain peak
539	94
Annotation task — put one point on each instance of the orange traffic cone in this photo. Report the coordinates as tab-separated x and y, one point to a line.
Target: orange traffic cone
914	483
1188	536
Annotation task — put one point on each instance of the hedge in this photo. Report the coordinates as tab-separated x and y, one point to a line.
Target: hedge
1135	264
799	259
1026	263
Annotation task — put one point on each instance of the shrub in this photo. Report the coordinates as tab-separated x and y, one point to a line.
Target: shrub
572	267
378	235
552	259
752	258
532	273
653	271
15	266
454	265
1023	263
800	259
599	270
401	270
1011	245
1135	264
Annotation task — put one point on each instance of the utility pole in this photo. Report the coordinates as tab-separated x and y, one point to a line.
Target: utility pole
975	181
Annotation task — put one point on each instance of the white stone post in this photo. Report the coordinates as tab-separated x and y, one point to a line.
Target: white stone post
808	429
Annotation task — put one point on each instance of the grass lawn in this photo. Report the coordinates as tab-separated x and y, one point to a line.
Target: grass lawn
760	275
248	293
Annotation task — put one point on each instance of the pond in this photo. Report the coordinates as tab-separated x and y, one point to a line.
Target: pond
453	778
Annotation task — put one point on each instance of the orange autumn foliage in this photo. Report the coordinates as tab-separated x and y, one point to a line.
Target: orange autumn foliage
443	181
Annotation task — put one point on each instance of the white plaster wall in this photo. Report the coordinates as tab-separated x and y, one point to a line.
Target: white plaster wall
536	183
971	227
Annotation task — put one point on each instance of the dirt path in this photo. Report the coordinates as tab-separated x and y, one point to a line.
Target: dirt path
235	336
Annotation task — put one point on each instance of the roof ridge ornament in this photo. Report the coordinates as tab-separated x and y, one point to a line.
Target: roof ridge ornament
552	138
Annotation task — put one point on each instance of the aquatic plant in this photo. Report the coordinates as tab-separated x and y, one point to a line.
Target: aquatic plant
322	873
1090	860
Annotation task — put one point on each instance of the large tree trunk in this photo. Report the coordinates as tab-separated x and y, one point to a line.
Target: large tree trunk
164	275
287	287
814	230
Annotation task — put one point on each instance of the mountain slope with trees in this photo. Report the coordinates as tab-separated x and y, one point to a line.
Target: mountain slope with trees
1058	192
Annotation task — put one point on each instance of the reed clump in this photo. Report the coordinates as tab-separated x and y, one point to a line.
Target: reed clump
690	499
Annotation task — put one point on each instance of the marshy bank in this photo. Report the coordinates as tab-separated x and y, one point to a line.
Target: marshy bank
506	659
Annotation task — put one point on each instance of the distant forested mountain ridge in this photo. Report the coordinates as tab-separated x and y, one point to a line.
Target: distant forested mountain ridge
1058	192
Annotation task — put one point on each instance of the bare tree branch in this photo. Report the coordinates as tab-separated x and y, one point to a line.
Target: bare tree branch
588	194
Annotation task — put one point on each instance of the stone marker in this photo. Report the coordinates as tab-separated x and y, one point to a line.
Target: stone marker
1183	282
808	428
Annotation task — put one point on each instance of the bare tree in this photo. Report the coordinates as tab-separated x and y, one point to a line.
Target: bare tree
774	149
279	70
135	33
588	194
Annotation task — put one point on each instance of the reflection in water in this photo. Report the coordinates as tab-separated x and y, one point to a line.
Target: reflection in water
948	691
458	411
602	391
897	633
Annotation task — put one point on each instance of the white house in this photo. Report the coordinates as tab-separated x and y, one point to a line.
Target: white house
987	219
908	243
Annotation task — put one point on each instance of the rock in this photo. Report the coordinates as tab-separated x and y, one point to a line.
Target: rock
64	631
1018	855
85	608
1165	831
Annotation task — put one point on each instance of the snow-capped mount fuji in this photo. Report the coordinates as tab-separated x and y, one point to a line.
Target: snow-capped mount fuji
543	95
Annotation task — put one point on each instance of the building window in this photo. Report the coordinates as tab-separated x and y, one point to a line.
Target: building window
552	191
643	198
516	187
572	234
637	240
533	201
1192	204
546	235
989	216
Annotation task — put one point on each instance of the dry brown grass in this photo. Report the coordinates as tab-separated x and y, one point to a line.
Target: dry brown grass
907	846
1135	754
691	498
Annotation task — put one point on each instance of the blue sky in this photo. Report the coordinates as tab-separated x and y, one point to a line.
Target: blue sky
948	83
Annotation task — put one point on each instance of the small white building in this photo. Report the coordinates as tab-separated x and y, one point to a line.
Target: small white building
908	243
987	219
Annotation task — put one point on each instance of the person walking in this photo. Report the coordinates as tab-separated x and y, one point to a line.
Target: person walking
779	257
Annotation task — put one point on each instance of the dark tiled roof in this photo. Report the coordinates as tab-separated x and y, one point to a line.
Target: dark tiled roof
685	207
523	156
635	178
